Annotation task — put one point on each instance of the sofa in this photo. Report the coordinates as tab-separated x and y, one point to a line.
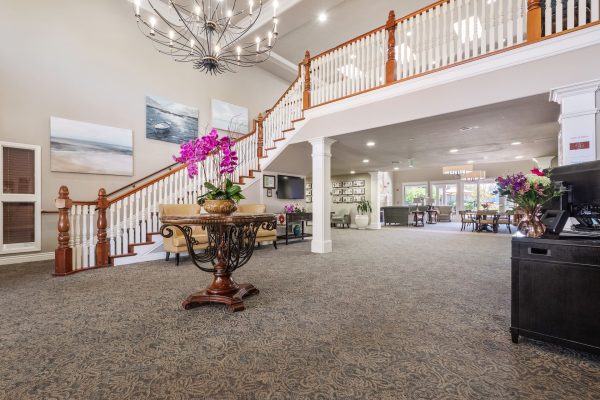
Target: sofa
176	244
396	215
263	235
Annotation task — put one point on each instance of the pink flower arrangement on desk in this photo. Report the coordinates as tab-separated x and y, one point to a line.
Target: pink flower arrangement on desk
292	208
210	151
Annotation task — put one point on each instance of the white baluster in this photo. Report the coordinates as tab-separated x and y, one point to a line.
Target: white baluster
492	28
548	18
595	14
84	237
430	63
570	14
510	24
484	22
520	35
474	29
467	30
460	30
118	229
582	12
78	251
72	218
438	41
112	229
444	50
501	39
92	236
131	220
452	33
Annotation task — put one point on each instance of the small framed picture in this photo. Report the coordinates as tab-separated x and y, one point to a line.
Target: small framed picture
336	184
309	199
269	192
348	191
309	192
309	185
337	192
359	190
359	183
347	184
269	181
337	199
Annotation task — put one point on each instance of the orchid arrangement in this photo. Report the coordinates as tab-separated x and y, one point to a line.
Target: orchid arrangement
527	190
210	152
292	208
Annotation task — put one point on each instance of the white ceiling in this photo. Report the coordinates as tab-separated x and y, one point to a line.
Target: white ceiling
531	121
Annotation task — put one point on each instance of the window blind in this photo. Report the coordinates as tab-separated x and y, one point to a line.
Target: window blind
18	222
18	170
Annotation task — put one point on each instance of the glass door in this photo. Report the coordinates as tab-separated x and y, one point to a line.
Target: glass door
20	198
444	194
487	196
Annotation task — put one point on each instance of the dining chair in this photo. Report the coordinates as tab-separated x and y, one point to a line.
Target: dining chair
466	219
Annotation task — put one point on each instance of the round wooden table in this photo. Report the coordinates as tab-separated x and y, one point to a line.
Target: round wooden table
231	241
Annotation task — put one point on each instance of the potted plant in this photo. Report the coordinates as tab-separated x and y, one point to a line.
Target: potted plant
362	218
222	194
529	192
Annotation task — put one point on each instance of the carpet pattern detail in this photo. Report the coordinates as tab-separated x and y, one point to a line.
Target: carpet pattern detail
392	314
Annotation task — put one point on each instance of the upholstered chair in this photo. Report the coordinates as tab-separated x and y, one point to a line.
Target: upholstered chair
176	243
263	235
444	213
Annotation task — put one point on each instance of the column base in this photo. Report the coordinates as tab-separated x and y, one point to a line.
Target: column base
320	246
374	226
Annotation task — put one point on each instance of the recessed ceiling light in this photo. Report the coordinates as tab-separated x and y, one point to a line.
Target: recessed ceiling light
518	157
352	172
516	143
365	160
370	144
470	162
396	168
411	139
322	17
453	150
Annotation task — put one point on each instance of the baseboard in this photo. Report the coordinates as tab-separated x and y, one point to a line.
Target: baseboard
24	258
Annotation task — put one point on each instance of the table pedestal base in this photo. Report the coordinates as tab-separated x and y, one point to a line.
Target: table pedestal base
232	298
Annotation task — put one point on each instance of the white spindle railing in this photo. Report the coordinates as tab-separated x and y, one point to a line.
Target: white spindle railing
280	118
456	31
560	15
351	68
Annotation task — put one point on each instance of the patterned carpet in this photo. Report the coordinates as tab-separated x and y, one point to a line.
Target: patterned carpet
390	314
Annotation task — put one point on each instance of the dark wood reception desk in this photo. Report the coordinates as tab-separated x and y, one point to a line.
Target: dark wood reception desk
556	291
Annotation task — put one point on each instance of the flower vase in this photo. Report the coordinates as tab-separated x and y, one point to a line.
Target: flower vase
222	207
531	225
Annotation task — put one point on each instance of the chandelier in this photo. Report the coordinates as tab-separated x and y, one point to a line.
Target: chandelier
213	35
473	176
457	169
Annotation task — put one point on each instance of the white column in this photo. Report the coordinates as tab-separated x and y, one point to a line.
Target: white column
579	137
321	195
375	201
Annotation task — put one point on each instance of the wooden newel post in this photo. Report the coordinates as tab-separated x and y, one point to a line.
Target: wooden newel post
390	65
534	20
63	255
102	246
306	93
259	148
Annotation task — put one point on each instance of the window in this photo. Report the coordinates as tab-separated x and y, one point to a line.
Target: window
470	196
486	195
20	198
444	194
413	192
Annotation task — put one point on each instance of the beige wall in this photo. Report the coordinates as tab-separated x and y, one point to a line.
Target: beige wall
87	60
435	174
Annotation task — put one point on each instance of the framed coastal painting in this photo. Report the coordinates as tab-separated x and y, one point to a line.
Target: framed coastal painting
87	148
229	118
169	121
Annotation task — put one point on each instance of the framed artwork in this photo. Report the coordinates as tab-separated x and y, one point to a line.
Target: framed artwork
337	192
359	198
358	183
309	192
87	148
336	184
229	117
169	121
347	184
348	191
269	192
309	185
309	199
269	181
348	199
337	199
359	190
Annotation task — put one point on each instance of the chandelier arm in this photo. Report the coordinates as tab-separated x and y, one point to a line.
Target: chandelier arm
226	25
183	48
175	7
238	36
205	51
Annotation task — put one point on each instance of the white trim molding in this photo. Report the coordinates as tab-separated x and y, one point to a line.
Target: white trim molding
26	258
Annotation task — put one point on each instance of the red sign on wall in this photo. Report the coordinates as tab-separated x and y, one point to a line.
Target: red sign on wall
579	145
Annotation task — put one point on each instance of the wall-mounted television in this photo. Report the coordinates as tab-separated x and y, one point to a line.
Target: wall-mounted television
290	187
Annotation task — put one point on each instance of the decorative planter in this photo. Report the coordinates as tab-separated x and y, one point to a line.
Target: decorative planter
223	207
361	221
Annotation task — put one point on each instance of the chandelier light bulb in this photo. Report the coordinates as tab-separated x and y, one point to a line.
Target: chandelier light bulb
217	49
275	5
152	25
171	36
137	8
275	22
239	52
229	13
257	43
270	38
250	5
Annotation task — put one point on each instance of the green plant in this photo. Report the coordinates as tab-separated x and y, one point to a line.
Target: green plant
228	191
364	207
